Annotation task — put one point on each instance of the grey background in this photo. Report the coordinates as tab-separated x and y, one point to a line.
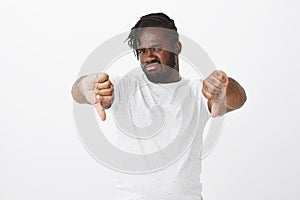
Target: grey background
43	45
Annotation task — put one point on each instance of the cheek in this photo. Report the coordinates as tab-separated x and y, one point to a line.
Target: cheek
142	59
164	58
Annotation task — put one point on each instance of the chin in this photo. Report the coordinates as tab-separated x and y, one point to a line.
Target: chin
160	75
156	77
153	78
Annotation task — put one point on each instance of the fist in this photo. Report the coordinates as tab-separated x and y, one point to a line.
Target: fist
214	89
98	91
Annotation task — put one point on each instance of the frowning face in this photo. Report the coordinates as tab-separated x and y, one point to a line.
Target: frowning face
157	55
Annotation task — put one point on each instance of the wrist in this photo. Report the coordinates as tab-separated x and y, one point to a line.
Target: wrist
80	86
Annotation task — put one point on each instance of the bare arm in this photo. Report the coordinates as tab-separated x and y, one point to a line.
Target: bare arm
95	89
224	94
235	95
77	91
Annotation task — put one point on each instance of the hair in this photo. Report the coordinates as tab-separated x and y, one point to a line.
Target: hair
152	20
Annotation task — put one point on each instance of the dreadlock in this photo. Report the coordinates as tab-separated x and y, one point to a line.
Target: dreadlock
152	20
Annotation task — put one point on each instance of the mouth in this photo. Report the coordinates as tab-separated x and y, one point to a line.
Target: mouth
152	66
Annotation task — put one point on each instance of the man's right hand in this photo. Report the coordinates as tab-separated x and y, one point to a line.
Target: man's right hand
98	91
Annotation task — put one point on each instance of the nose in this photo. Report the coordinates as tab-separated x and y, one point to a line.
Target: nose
150	56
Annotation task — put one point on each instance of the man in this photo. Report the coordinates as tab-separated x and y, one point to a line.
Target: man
156	44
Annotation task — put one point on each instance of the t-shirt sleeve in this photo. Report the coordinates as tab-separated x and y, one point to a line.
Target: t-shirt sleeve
203	102
123	86
116	81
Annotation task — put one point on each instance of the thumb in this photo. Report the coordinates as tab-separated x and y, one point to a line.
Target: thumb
215	107
218	106
99	108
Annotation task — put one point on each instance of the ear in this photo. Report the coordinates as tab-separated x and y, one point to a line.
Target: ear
178	47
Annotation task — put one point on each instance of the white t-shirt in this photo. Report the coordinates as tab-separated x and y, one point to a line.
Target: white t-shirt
185	109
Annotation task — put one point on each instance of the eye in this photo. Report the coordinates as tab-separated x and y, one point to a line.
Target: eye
141	51
156	49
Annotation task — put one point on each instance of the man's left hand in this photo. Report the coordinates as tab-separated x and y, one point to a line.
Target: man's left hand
214	89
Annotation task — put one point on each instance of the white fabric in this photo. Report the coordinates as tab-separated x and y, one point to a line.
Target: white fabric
181	180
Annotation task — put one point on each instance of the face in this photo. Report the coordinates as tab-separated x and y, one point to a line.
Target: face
157	56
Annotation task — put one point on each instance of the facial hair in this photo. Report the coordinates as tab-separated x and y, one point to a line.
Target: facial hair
167	70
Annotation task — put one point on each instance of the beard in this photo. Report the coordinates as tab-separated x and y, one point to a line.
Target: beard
163	73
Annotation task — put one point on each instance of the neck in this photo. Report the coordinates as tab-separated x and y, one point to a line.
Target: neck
173	77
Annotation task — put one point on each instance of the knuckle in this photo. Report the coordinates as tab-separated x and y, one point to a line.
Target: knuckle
217	74
221	72
107	84
110	99
106	75
102	77
222	75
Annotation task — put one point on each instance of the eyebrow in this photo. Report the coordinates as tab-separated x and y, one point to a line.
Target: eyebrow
156	45
153	46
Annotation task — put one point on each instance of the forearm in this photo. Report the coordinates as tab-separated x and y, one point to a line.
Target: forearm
77	92
235	95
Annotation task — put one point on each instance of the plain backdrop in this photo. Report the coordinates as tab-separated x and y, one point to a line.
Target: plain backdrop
44	43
